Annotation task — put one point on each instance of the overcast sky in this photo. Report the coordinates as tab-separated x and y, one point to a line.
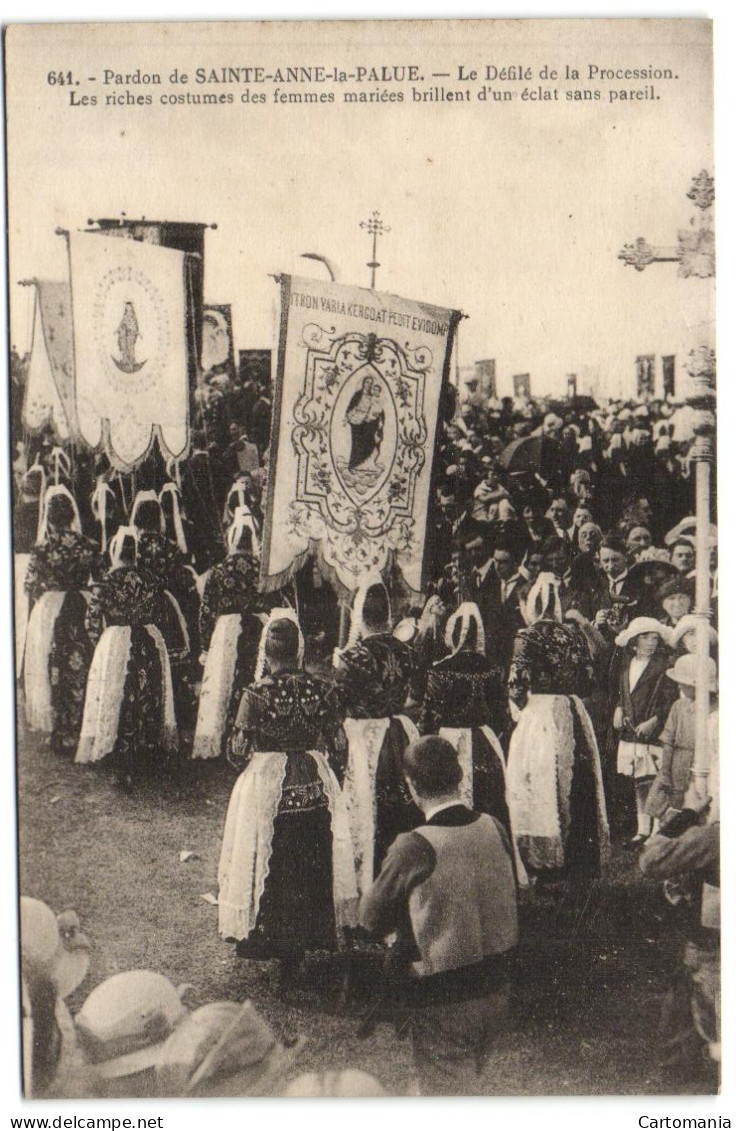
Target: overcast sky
511	212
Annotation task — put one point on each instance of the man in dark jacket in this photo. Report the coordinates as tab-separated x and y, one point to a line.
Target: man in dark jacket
499	590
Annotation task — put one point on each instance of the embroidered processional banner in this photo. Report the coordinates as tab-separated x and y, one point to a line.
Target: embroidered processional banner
50	393
217	342
357	390
130	343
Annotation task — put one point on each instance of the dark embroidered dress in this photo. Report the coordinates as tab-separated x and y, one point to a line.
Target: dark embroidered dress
291	713
164	567
373	682
463	693
551	662
231	590
64	563
231	587
142	739
550	658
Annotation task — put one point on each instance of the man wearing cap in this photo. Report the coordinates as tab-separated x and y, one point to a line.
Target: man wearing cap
448	890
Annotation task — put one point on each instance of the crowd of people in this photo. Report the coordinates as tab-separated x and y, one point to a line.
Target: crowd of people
406	763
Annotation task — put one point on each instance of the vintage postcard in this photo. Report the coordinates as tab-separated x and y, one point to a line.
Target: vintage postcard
362	441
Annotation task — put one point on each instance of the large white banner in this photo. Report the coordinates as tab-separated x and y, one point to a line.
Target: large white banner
131	354
356	399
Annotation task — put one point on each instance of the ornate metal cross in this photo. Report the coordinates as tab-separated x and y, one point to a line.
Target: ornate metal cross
694	251
375	228
696	257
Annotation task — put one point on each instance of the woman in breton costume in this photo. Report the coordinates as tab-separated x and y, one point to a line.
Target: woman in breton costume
29	508
106	507
178	529
162	564
129	714
27	515
554	779
58	651
465	703
230	630
286	879
373	682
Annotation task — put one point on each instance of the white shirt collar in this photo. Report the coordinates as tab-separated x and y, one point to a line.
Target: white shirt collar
439	808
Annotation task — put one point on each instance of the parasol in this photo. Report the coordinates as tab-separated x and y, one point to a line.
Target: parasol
538	454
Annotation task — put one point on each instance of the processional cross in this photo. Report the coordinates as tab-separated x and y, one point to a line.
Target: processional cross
375	228
694	250
696	257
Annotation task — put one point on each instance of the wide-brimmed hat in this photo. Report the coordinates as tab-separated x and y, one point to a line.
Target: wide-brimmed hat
222	1049
126	1019
54	945
648	576
686	529
690	623
685	671
638	626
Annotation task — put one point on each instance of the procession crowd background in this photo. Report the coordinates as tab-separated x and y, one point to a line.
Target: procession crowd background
560	555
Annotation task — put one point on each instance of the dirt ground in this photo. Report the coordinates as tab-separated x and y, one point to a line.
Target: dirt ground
588	988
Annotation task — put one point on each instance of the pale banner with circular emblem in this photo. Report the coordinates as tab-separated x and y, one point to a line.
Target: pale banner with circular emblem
130	344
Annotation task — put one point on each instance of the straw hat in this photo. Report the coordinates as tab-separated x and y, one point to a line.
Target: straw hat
638	626
126	1020
54	945
222	1049
684	671
690	623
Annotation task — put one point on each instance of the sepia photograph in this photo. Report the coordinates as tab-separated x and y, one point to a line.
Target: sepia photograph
362	456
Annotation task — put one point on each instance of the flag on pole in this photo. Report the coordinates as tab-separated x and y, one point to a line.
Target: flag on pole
217	348
50	395
131	350
355	411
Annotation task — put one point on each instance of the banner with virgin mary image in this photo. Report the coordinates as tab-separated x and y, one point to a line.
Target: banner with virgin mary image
355	411
130	347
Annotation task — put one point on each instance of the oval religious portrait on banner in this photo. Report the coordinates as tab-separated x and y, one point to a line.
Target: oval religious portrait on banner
217	342
132	332
363	433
